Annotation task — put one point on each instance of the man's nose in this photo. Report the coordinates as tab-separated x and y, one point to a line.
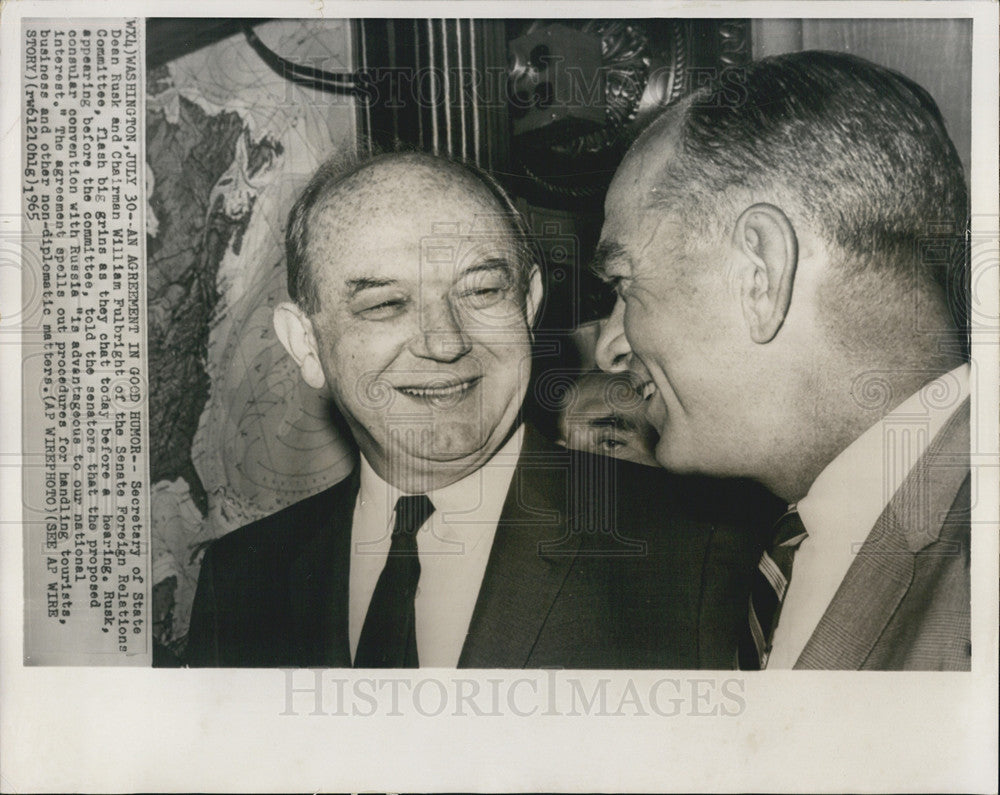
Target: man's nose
440	336
612	348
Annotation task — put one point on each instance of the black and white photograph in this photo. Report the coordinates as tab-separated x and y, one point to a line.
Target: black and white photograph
504	397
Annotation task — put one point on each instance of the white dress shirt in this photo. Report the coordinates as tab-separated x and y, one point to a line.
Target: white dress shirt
453	544
846	500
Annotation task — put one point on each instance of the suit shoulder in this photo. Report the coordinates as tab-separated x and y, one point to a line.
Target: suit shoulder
282	533
715	500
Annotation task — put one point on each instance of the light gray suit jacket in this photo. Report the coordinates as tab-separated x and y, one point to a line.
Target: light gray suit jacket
904	602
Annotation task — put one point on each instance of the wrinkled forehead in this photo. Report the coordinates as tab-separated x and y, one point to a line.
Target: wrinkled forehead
399	219
412	195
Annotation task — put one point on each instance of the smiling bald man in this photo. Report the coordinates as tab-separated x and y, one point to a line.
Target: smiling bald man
463	538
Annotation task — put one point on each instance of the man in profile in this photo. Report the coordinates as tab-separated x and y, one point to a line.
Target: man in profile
462	538
788	263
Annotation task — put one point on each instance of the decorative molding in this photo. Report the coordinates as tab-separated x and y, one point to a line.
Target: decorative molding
734	43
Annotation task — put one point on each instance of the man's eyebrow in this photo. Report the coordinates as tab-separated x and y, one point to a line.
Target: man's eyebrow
487	265
604	257
615	421
355	286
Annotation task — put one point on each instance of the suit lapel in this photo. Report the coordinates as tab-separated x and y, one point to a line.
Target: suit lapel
319	583
880	576
532	554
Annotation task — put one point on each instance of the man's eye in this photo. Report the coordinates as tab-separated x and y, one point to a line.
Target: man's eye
482	297
617	285
621	286
383	309
610	443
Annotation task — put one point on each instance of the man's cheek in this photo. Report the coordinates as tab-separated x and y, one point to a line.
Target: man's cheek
508	315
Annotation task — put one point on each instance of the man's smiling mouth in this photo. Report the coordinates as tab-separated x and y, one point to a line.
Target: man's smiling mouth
440	390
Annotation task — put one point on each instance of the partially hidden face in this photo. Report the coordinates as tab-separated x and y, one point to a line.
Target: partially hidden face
423	327
606	416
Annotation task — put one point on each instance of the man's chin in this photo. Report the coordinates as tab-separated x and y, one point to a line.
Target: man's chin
457	442
455	446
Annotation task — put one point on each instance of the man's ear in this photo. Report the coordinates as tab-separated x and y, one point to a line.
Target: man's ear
769	249
533	300
295	330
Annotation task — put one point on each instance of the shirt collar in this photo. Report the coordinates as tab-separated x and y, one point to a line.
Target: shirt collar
852	491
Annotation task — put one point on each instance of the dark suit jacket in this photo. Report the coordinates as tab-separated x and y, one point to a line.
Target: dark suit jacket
596	563
904	603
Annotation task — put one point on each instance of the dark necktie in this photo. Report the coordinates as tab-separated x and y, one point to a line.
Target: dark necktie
767	591
389	635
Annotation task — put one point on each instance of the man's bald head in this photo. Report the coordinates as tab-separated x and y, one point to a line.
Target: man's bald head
369	190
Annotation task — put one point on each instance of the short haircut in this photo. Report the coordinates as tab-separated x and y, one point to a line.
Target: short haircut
302	286
619	400
857	150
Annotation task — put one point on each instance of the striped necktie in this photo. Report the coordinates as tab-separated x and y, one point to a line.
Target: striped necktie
389	634
767	591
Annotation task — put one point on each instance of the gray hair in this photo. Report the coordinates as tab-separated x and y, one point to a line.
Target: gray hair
859	151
